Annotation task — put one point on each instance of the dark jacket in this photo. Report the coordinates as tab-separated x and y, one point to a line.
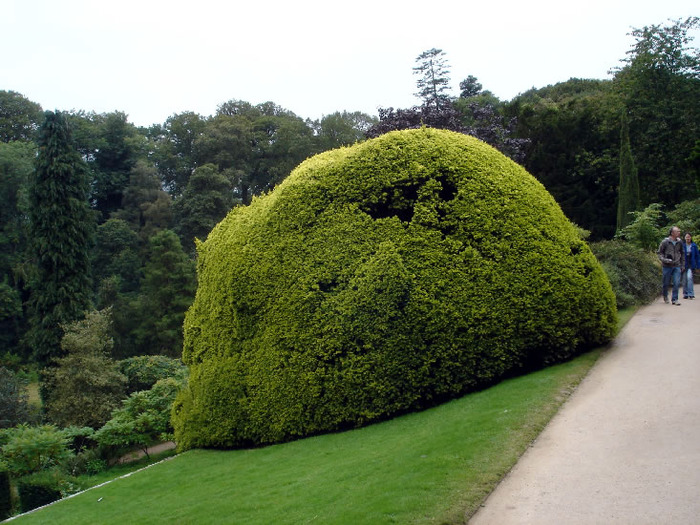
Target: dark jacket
671	254
692	262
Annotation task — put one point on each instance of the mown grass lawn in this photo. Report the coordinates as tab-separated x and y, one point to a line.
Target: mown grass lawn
436	466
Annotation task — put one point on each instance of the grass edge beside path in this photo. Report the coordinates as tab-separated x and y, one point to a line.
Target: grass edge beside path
436	466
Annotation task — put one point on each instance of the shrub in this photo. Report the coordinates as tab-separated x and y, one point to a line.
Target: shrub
87	462
85	385
143	418
43	488
644	231
635	274
686	216
378	279
143	371
5	493
31	449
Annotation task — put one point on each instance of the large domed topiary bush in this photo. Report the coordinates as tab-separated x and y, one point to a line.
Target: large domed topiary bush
378	279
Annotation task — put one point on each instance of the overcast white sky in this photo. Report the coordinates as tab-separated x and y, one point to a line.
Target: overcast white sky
155	58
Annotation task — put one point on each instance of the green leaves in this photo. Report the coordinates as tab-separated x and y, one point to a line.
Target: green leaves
29	449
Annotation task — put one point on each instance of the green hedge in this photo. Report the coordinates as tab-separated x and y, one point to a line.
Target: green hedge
379	279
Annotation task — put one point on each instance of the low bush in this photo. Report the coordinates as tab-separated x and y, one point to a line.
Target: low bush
89	462
377	279
635	273
43	488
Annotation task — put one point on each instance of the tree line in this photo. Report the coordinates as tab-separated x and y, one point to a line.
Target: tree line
97	213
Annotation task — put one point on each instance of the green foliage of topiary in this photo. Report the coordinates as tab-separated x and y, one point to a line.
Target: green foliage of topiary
377	279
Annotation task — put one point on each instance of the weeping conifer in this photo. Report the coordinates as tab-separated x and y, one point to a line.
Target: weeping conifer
61	227
628	192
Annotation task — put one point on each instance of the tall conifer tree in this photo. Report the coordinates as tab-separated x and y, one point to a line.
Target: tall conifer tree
434	78
628	192
61	227
167	291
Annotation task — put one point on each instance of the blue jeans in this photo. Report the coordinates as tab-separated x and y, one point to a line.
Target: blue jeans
688	290
671	275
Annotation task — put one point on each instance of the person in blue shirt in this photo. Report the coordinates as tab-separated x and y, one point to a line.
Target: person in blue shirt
692	262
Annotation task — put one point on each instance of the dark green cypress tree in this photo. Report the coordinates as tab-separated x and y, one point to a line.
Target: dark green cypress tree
167	291
61	229
628	192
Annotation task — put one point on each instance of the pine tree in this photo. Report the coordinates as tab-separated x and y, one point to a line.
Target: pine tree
167	291
628	192
61	226
434	82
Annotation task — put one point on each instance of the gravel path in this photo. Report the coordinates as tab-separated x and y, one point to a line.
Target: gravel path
155	449
625	448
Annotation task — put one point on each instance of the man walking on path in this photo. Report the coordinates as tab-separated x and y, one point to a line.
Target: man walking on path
671	255
624	449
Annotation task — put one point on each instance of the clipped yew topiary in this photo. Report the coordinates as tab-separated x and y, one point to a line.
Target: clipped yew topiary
378	279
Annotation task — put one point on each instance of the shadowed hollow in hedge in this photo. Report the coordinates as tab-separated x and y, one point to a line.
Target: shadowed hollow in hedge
378	279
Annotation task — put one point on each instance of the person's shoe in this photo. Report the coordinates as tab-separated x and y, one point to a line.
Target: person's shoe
676	303
666	300
685	297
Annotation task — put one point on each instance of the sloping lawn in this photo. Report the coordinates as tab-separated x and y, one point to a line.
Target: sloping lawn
436	466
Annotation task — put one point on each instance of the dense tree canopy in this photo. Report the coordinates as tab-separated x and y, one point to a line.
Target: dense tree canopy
206	200
16	169
19	117
476	112
342	129
574	134
659	83
174	152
